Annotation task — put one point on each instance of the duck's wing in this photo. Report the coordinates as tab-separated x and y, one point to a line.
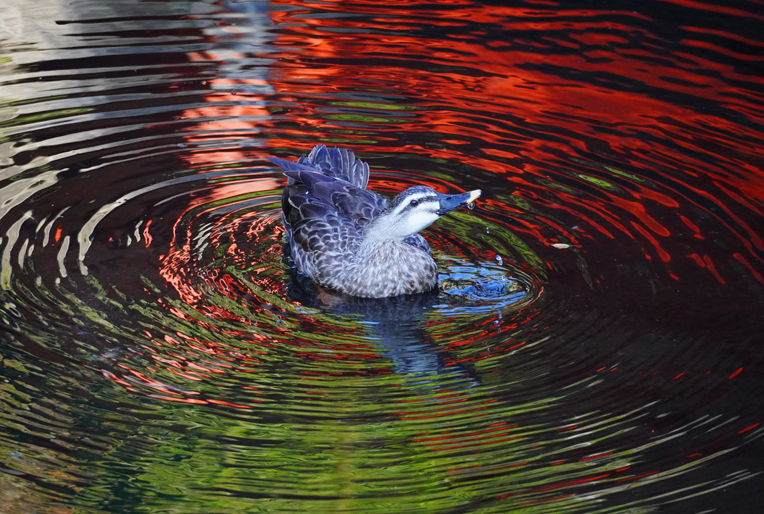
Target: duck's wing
318	236
337	163
418	241
324	220
356	204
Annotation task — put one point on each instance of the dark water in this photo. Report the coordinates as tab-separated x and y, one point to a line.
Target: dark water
596	343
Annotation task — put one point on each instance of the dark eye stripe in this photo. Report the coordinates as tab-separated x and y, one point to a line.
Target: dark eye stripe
404	204
419	201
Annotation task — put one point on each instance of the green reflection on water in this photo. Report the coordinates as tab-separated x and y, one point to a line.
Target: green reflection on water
32	118
337	439
375	105
362	118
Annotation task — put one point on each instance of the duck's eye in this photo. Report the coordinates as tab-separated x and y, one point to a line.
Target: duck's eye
414	203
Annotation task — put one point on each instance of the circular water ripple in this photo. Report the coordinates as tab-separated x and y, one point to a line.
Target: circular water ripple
592	346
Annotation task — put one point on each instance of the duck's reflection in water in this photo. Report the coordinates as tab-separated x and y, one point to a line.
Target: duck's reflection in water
395	323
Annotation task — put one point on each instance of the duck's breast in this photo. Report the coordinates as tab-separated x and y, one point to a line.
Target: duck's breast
385	269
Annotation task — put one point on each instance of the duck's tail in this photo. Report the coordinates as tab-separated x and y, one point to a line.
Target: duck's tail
337	163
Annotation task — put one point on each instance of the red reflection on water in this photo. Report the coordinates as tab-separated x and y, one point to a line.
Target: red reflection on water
635	477
746	429
721	9
463	109
555	486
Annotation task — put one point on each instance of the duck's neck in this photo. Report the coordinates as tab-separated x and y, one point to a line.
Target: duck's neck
380	230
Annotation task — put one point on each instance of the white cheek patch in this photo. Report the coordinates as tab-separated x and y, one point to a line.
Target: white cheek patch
419	220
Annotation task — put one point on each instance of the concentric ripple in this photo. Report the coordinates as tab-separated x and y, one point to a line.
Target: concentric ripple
594	342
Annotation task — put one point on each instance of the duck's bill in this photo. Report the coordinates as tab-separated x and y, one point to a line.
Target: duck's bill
449	203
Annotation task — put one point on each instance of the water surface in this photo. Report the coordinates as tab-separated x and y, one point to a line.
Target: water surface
596	341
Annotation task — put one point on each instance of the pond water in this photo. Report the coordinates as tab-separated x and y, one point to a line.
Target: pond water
595	344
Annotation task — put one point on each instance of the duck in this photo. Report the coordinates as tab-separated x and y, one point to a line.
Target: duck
352	240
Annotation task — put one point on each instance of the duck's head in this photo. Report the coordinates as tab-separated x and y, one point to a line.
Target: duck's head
413	210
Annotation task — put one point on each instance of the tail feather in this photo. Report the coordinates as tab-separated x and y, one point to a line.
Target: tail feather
337	163
291	165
